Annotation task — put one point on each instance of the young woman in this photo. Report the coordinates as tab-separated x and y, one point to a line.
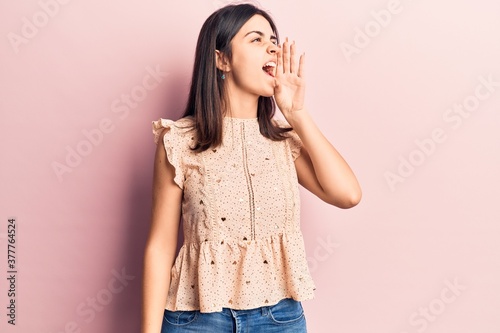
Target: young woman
231	171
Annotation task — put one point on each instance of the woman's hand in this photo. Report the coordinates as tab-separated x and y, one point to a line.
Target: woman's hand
289	90
320	167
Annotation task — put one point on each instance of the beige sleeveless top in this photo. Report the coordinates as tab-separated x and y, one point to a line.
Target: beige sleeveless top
243	247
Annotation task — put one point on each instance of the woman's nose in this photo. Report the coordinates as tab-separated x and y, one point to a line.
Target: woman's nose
273	48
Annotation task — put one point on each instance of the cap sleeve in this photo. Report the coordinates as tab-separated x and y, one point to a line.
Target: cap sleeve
173	146
294	140
295	144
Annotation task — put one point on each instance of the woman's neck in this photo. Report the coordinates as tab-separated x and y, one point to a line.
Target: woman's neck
241	104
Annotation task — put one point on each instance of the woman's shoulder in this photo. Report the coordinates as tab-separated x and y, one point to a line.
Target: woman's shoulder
293	139
182	123
180	128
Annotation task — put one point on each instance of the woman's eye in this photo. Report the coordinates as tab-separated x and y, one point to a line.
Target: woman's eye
259	39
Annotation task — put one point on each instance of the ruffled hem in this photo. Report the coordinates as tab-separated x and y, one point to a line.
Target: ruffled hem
173	146
230	271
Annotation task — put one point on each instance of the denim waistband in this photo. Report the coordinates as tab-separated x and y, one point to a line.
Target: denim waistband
264	310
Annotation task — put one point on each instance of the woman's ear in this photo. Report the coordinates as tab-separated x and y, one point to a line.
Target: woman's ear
221	61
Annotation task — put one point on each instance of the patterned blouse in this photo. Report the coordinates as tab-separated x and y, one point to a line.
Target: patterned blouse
243	247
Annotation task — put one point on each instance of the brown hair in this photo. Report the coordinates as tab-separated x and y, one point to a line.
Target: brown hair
207	99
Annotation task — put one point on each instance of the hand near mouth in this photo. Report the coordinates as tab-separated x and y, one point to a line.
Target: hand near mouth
289	89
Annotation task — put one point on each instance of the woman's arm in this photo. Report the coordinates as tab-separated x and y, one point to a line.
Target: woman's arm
320	168
161	245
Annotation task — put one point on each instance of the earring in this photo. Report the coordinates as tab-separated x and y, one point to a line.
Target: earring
223	76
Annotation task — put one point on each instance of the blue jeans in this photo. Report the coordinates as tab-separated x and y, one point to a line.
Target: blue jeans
285	317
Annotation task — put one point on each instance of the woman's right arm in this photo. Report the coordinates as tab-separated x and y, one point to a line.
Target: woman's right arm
161	245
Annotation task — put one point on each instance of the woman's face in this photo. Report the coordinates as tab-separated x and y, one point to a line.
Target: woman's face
254	56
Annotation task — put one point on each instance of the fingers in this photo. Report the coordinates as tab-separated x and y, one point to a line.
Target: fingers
286	56
279	65
287	59
302	63
293	65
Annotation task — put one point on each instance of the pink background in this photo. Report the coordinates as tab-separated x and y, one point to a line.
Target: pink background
420	253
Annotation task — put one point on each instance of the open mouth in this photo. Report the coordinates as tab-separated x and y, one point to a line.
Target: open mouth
269	68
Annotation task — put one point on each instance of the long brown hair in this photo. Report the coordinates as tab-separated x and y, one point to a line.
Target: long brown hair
207	97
